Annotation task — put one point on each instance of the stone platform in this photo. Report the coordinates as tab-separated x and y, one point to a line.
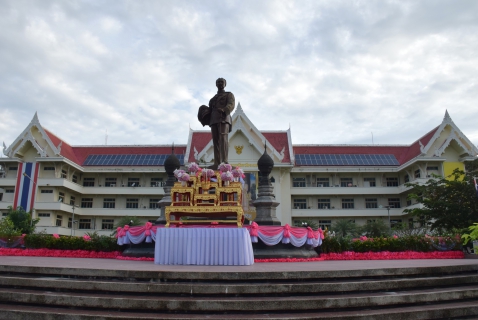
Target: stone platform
59	288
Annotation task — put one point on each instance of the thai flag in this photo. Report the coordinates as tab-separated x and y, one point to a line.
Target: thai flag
26	187
476	187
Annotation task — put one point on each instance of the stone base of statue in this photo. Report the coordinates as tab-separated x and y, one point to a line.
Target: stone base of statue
266	207
163	203
281	250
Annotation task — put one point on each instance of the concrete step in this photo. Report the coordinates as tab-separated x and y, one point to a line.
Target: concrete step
236	289
451	310
193	304
423	291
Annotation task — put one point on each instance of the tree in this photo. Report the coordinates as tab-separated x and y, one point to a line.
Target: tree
22	220
344	227
375	229
448	202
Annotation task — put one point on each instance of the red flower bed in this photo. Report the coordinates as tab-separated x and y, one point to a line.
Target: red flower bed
349	255
58	253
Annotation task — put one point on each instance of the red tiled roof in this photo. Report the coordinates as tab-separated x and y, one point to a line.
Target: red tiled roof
279	141
66	150
80	153
199	140
401	153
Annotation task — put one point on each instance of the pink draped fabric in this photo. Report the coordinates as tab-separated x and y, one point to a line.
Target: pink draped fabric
270	235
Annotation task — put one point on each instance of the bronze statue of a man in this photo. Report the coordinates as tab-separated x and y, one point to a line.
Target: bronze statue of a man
218	117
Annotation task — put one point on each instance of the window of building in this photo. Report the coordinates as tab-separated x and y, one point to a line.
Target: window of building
63	174
49	168
133	182
371	220
153	203
325	224
110	182
300	203
347	203
69	222
298	182
395	223
411	223
409	202
371	203
132	203
392	182
47	191
74	179
346	182
371	182
1	196
324	203
85	224
88	182
61	197
432	168
107	224
9	190
72	200
156	182
43	215
4	214
87	202
407	178
394	202
13	168
323	182
109	203
417	174
59	220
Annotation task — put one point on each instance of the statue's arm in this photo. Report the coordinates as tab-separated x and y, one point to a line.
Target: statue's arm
230	104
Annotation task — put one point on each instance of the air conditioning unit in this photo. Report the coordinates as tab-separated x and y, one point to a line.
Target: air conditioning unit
320	185
429	176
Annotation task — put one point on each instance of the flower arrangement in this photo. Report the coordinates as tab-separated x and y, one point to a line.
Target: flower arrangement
227	176
208	173
224	167
178	173
238	173
86	237
193	167
184	177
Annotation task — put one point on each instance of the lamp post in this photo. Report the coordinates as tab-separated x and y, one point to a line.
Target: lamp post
73	221
389	222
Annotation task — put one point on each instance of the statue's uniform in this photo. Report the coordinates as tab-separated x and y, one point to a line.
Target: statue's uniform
221	124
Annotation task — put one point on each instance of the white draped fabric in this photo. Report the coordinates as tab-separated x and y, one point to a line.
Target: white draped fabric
203	246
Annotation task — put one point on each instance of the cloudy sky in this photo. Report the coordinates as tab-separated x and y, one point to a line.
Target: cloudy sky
334	71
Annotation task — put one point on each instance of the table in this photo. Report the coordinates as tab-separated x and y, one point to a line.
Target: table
203	246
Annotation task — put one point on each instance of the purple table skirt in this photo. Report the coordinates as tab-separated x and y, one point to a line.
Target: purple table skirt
203	246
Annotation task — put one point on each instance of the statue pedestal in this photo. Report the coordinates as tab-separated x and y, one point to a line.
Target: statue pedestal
266	207
163	203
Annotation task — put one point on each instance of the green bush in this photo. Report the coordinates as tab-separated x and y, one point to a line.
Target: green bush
96	243
407	243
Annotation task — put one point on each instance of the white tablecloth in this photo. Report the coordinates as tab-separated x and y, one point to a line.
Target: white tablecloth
203	246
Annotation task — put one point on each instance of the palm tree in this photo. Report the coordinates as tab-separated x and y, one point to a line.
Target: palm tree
344	227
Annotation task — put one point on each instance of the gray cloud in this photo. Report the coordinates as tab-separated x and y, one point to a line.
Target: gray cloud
335	71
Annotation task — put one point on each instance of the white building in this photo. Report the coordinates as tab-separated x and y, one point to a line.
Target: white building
100	184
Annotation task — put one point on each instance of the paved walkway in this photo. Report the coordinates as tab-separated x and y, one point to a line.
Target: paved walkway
111	264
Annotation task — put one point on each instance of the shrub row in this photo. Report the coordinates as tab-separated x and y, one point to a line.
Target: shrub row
409	243
96	242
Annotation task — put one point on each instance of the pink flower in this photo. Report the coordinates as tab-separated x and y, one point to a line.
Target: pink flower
86	237
56	236
395	236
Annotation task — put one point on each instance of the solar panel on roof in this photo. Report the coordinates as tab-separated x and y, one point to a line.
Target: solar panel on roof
129	160
346	159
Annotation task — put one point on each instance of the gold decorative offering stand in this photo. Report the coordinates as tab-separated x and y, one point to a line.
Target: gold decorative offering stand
200	201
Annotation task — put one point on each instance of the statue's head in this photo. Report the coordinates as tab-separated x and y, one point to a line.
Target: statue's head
221	82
